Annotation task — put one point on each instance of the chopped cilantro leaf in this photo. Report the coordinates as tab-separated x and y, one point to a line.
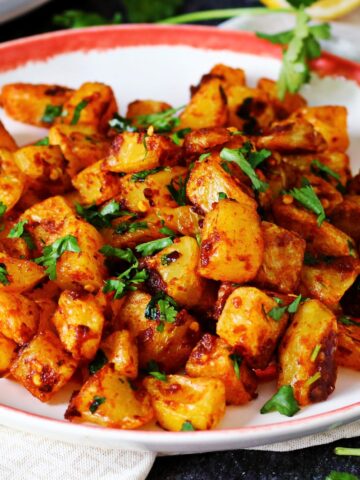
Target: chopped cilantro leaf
140	176
187	427
3	209
318	167
222	196
131	227
308	198
97	362
44	142
162	308
18	231
161	121
315	353
53	252
121	124
102	217
77	111
236	360
149	248
179	135
204	156
154	371
345	320
4	274
347	451
95	404
51	112
178	194
124	254
283	402
314	378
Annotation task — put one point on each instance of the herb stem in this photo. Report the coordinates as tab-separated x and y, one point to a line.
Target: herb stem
222	13
347	451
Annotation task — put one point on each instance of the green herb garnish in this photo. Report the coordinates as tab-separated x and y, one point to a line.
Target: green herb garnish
204	156
102	217
318	167
44	142
222	196
121	124
162	121
154	371
53	252
308	198
314	378
81	19
355	452
18	231
77	111
333	475
51	112
95	404
187	427
140	176
162	308
98	362
315	353
345	320
3	209
277	312
178	194
236	360
179	135
4	274
131	227
283	402
154	246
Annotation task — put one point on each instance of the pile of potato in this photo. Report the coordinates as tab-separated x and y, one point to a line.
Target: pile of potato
231	253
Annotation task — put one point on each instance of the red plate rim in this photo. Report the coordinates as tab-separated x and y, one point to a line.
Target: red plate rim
42	47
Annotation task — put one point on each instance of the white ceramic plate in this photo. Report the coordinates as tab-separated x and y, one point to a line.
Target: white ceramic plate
161	63
13	8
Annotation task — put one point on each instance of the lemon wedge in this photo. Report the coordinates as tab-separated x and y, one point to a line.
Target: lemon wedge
323	9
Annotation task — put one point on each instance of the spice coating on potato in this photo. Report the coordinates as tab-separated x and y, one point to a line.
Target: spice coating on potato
7	354
121	350
348	351
19	317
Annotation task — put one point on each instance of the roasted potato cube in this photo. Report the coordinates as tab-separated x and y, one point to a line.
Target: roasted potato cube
92	104
22	274
174	269
207	107
283	108
6	140
229	76
29	103
145	107
344	214
200	401
207	179
108	399
79	322
330	122
199	141
348	350
19	317
283	259
133	152
246	325
214	358
7	354
96	185
326	239
328	281
171	347
232	243
307	353
43	366
121	350
12	181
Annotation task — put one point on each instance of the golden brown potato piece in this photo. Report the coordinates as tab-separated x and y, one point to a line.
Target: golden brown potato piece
229	76
6	140
12	181
207	179
7	354
283	108
204	139
290	135
80	145
328	281
246	325
213	357
232	243
207	107
307	353
348	350
43	366
171	347
174	270
330	122
92	104
108	399
344	214
283	259
32	104
96	185
121	350
145	107
22	274
79	322
19	317
200	401
134	152
327	239
328	194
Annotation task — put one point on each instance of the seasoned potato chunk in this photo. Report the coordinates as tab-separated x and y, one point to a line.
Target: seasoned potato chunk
229	76
6	140
19	317
199	141
283	259
30	103
43	366
22	274
208	179
79	322
231	243
200	401
175	270
12	181
108	399
213	357
348	351
207	107
283	108
307	353
171	347
7	354
121	350
344	214
246	325
145	107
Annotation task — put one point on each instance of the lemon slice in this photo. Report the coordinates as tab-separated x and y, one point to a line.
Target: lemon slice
323	9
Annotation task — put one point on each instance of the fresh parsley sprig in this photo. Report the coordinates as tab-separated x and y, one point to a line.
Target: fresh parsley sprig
4	275
131	227
162	122
277	312
179	193
283	402
187	427
154	246
18	231
51	112
141	176
162	308
121	124
102	217
53	252
154	371
307	197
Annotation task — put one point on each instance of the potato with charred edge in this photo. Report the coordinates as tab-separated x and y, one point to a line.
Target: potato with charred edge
12	180
121	350
108	399
307	353
208	179
23	275
200	401
134	152
283	259
328	280
7	354
344	214
6	140
30	103
169	348
92	104
326	239
283	108
246	323
19	317
43	367
79	321
348	351
213	357
232	245
207	107
174	269
228	75
204	139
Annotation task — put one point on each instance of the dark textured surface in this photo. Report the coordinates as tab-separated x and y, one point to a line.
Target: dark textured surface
308	464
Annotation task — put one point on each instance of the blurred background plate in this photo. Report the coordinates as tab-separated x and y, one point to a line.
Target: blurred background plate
13	8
